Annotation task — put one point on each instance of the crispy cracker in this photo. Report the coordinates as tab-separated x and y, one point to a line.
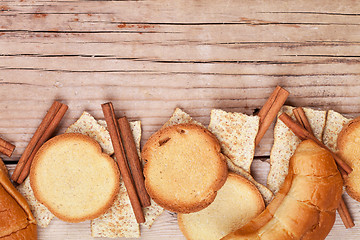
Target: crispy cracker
177	119
236	133
285	144
42	215
265	192
119	220
87	125
334	124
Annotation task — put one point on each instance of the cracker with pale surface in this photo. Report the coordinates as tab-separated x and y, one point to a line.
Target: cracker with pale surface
334	124
88	125
42	215
286	142
177	117
180	117
236	133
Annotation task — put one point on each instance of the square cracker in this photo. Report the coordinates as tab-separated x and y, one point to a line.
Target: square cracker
285	144
180	116
119	220
334	124
42	215
87	125
236	133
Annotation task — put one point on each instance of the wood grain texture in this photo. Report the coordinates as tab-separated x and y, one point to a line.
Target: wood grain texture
150	56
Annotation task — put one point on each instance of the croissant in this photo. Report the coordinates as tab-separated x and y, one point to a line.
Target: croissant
16	219
304	208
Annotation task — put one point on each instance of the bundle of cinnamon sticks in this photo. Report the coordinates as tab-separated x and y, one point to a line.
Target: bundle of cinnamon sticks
43	133
128	160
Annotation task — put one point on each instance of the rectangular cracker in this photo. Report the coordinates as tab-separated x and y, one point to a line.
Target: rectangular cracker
285	144
236	133
42	215
334	123
180	116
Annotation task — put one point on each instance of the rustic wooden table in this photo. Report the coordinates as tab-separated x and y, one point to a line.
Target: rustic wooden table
149	57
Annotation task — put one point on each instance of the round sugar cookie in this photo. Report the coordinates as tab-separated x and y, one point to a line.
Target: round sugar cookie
73	178
348	143
184	167
235	204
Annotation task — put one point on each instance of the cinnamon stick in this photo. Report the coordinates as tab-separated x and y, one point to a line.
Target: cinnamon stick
342	209
269	111
113	128
345	214
133	160
6	147
52	117
302	119
302	133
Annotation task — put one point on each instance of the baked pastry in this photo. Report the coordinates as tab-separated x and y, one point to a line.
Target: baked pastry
304	208
348	144
16	219
184	167
236	203
73	178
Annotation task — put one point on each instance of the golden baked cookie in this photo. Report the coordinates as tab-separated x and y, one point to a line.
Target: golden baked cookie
236	203
73	178
184	167
348	144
